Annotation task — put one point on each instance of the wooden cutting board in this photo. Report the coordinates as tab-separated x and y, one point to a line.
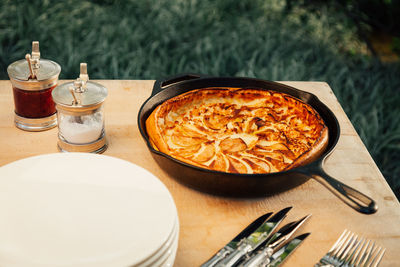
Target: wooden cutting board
208	222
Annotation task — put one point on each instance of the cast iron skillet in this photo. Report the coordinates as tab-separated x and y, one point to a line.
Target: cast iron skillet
249	185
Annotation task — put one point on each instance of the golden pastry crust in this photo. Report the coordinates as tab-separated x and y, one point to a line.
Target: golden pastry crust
238	130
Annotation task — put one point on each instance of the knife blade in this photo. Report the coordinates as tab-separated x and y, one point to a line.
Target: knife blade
281	255
277	241
232	245
254	240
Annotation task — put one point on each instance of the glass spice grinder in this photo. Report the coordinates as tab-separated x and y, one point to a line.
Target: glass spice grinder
80	114
33	80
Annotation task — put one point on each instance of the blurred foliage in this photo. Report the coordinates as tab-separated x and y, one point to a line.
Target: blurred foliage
396	45
382	15
150	39
369	16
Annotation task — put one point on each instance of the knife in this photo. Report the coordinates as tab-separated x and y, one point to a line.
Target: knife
278	257
232	245
254	240
277	241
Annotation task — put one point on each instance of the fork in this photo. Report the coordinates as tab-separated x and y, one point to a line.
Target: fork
349	251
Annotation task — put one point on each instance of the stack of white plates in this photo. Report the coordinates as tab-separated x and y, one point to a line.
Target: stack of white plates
79	209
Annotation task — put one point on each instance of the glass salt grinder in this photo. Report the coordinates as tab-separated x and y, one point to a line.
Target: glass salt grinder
80	114
33	80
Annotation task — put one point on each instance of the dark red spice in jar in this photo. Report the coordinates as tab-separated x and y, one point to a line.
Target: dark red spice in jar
34	104
33	80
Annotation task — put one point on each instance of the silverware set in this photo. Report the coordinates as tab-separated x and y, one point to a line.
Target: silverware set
259	245
351	251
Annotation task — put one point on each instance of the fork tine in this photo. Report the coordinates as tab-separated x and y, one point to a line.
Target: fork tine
353	252
356	251
367	254
344	246
340	244
339	240
379	258
349	247
361	253
372	256
375	260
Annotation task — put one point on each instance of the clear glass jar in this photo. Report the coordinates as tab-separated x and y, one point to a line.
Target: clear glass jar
80	112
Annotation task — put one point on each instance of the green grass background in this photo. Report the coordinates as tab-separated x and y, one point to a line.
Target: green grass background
149	39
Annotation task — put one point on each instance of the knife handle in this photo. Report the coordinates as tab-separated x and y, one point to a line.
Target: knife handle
259	259
235	256
254	261
216	258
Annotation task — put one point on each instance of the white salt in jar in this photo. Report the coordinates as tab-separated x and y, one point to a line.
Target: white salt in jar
80	115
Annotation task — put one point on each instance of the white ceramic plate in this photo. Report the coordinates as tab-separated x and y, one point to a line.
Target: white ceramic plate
165	252
169	257
80	209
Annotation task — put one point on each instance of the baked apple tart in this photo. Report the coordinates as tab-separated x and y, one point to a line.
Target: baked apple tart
238	130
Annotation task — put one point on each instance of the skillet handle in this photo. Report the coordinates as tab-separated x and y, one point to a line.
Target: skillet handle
348	195
160	85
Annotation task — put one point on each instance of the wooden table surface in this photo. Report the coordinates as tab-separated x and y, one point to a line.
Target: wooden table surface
208	222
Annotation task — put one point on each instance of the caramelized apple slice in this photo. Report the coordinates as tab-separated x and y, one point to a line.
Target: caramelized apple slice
206	152
184	136
275	147
192	131
237	166
232	145
185	141
267	154
188	152
220	163
258	165
215	121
